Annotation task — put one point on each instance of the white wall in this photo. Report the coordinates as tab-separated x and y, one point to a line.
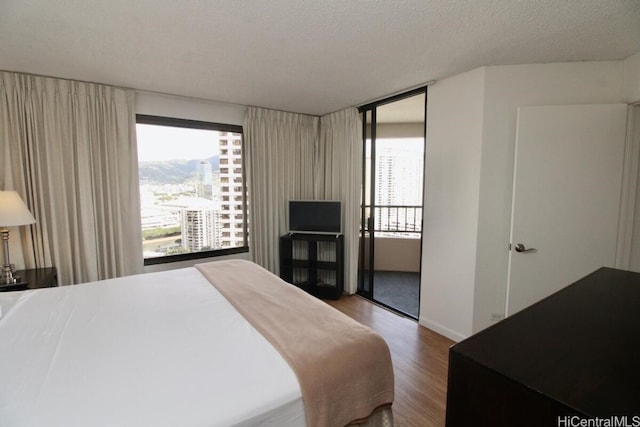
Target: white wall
506	89
631	83
471	120
192	109
156	104
394	254
452	190
400	130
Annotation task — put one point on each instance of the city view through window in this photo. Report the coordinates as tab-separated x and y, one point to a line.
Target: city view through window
191	190
399	173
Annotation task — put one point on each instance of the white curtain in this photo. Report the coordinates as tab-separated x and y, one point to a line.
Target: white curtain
69	149
279	162
293	156
338	175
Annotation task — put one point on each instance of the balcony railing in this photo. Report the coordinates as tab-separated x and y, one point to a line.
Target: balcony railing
395	218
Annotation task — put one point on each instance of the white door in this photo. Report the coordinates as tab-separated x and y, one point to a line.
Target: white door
566	197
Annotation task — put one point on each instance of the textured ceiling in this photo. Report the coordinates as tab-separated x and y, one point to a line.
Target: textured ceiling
307	56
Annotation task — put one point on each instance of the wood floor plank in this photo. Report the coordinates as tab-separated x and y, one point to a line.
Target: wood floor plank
420	362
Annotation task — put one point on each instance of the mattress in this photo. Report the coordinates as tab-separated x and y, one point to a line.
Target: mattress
161	349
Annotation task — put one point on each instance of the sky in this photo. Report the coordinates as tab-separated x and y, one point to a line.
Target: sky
161	143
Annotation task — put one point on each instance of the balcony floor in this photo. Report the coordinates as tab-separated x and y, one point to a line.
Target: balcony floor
397	289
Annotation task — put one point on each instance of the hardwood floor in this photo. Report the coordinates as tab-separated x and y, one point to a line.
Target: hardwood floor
420	361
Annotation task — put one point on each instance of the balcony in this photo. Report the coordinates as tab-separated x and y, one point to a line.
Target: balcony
396	263
398	220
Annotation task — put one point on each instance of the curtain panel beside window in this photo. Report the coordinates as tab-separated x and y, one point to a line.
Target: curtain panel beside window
69	149
294	156
338	174
280	147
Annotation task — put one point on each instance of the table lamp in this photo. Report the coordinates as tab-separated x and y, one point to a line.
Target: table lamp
13	212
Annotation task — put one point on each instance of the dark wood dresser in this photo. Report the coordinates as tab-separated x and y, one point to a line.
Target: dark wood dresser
571	356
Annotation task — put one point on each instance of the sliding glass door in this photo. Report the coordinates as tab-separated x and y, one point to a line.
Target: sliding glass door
391	208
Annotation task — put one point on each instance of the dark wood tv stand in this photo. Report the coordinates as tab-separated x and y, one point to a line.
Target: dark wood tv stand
314	262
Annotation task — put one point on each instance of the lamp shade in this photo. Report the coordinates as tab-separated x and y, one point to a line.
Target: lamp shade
13	211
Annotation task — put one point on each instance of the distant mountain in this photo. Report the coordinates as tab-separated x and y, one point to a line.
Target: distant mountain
173	171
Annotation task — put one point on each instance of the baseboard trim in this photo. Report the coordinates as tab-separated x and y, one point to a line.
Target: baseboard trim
442	330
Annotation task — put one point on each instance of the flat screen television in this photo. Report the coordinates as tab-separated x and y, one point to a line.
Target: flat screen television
315	216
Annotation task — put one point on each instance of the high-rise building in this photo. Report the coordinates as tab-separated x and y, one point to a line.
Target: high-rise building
399	174
204	187
231	190
199	229
200	223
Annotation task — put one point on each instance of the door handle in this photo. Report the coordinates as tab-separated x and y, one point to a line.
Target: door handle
521	249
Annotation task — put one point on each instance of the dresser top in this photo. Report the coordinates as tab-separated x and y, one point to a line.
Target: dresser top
580	346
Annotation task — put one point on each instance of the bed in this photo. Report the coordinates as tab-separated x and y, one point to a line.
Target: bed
220	344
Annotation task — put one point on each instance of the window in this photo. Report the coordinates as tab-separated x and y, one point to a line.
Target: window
181	197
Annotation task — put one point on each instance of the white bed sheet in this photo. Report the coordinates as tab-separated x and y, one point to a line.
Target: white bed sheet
159	349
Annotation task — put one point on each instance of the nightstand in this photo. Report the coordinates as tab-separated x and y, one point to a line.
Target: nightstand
35	278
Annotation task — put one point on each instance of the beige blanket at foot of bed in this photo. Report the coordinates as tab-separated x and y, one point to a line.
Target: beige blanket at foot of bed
344	368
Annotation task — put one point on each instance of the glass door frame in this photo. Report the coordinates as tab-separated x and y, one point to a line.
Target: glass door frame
367	224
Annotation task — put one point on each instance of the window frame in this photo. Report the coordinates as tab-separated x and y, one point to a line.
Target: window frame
203	125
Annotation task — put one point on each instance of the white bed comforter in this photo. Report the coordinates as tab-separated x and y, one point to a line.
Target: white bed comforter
159	349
